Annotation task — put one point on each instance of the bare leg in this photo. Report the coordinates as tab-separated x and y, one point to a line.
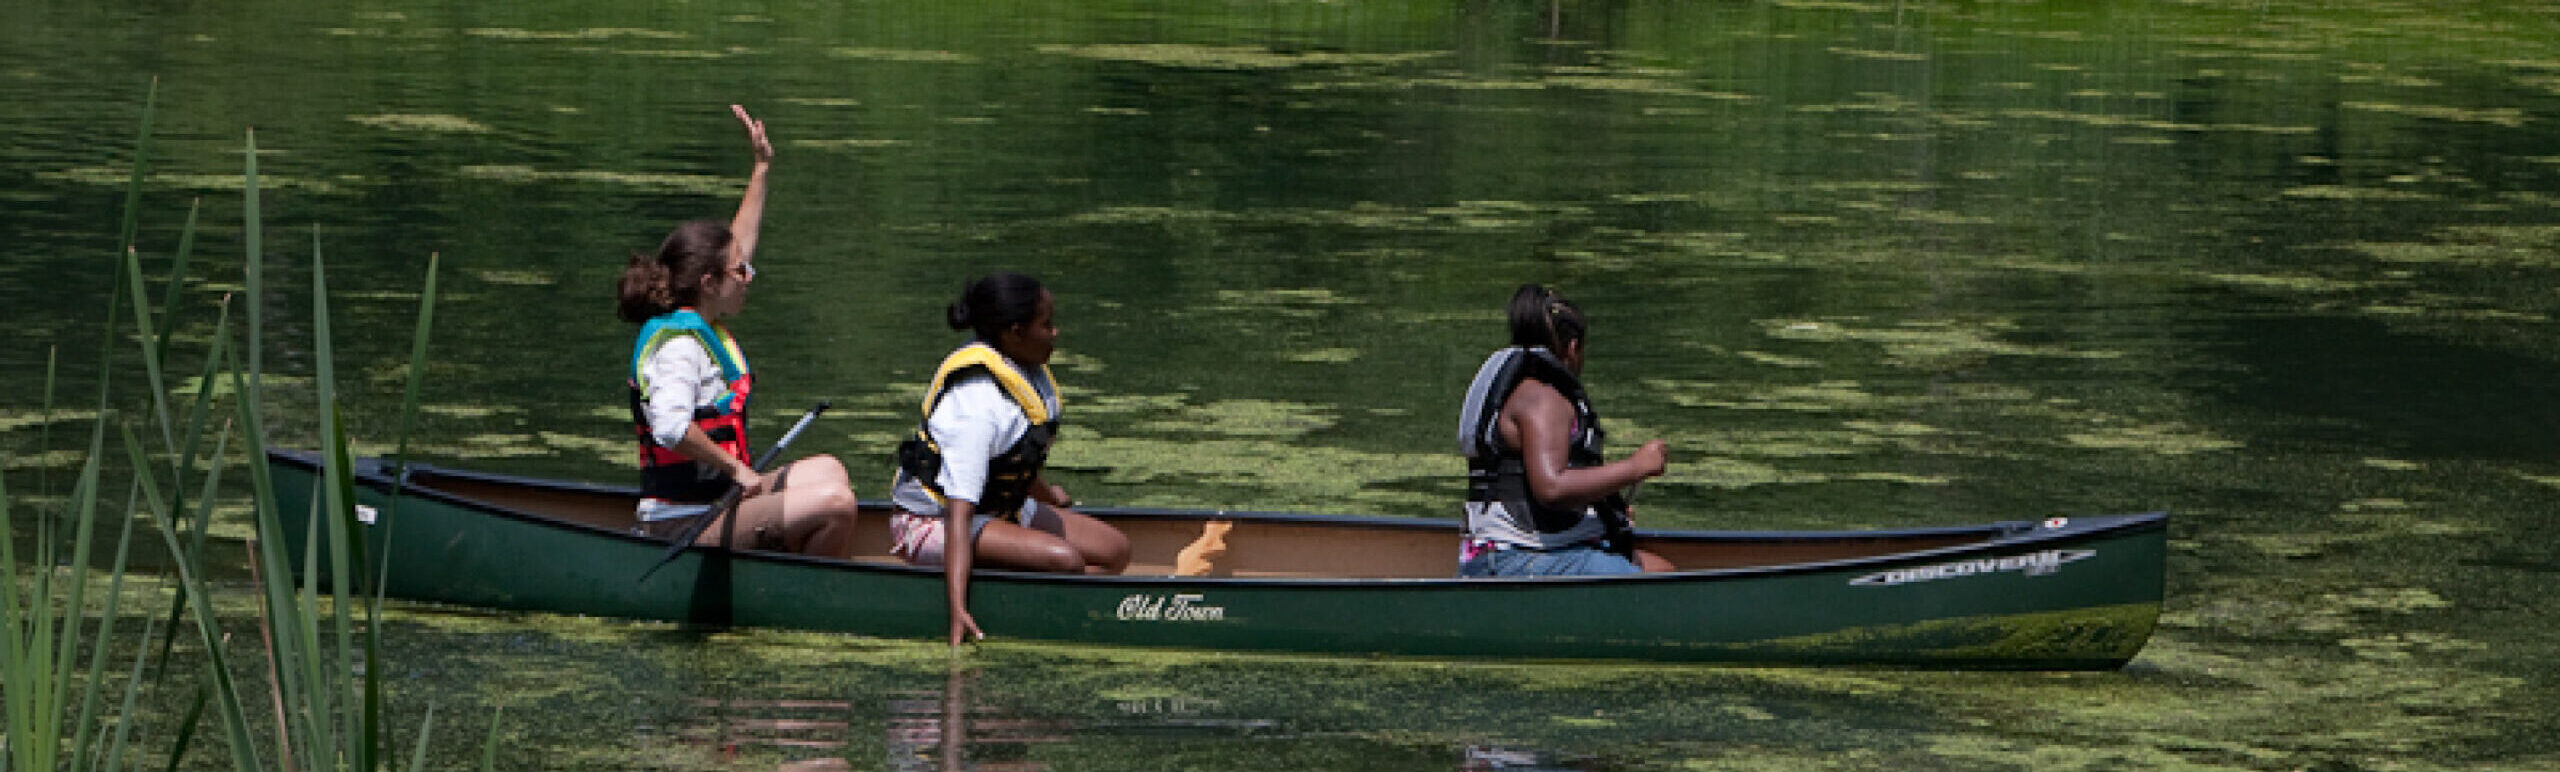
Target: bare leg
811	515
1100	548
1006	545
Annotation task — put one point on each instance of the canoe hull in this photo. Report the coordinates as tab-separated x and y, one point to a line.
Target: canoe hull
2085	597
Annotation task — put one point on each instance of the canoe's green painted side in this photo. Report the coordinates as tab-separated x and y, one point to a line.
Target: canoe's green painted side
2023	607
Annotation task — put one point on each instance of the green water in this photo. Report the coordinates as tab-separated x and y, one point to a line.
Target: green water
2283	268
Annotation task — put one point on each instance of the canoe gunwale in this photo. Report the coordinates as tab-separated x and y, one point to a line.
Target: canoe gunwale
1999	536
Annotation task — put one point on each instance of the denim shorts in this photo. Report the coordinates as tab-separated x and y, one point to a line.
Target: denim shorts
1569	561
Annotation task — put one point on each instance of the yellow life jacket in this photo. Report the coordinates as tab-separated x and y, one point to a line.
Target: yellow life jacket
1009	474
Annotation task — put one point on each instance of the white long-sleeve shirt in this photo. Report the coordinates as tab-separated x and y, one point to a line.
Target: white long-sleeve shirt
682	378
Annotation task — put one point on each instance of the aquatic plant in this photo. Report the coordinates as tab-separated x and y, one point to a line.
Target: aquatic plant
322	663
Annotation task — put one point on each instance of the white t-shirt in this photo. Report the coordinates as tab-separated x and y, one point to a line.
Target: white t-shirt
973	423
682	378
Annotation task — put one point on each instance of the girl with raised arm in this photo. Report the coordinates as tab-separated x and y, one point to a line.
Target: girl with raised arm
689	387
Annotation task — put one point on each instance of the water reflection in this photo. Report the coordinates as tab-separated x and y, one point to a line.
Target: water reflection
945	731
1003	718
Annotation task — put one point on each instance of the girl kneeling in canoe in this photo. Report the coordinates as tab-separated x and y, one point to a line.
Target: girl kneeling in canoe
689	386
975	460
1541	500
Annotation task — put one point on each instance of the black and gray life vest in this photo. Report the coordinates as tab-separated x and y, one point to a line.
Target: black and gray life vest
1499	505
1010	473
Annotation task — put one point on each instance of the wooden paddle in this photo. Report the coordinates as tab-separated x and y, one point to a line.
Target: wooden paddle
729	500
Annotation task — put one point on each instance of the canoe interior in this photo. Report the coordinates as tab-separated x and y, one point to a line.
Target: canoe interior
1257	545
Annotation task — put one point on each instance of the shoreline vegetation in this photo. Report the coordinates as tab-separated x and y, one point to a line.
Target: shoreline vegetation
313	697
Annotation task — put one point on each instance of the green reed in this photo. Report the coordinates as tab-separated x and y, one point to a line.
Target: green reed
321	636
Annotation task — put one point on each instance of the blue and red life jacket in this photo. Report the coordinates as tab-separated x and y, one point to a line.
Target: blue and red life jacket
664	473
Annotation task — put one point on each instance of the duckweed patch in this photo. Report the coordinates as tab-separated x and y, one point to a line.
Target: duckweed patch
2109	121
222	386
2388	600
839	145
2355	193
2159	439
1244	418
2312	284
1823	397
13	420
695	184
494	446
901	55
428	122
1327	356
1655	86
1247	474
104	176
49	459
2393	524
516	278
2506	117
587	34
1735	473
1295	303
1779	360
2121	629
1464	216
1876	55
2400	647
1207	57
1922	344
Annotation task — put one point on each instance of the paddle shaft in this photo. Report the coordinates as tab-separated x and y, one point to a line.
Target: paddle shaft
1618	532
729	500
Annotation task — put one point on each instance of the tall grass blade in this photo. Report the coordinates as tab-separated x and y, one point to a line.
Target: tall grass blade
255	281
214	361
20	692
298	641
77	586
418	757
187	725
267	554
141	156
390	517
244	751
155	351
279	606
132	689
143	327
343	532
417	367
108	616
178	271
489	749
44	434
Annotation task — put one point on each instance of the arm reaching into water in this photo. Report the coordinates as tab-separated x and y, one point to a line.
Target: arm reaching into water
958	550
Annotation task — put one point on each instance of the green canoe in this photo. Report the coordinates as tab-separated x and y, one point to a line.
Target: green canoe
2076	593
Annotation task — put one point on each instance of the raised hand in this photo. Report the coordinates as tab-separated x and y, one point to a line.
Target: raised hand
755	135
